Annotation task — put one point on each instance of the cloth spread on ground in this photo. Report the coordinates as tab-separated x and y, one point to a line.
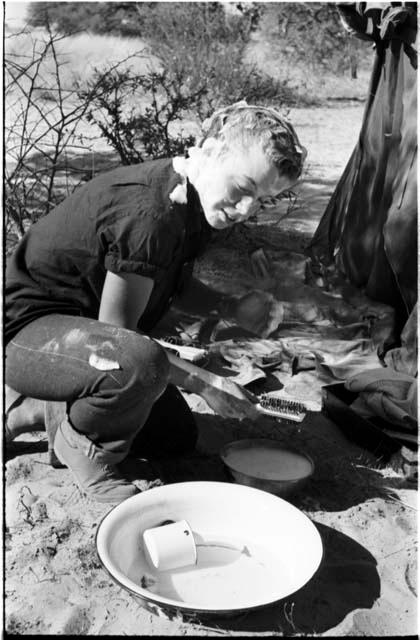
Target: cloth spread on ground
301	355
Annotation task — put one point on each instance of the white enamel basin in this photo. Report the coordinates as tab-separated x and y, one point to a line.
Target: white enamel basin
254	548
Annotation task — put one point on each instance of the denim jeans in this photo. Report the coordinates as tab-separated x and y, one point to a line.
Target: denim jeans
114	382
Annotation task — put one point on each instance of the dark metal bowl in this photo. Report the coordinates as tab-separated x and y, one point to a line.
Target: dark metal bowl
276	486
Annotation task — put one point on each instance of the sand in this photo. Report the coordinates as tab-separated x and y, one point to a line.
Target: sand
365	511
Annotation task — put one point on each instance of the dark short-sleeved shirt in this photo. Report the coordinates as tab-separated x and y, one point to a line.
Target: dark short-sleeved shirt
122	221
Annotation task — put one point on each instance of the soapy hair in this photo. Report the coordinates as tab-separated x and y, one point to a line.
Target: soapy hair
241	126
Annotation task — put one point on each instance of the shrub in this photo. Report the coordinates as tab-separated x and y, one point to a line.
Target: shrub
196	42
312	34
136	113
110	18
42	122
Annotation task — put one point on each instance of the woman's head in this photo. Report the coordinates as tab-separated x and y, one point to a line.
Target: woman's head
247	154
240	127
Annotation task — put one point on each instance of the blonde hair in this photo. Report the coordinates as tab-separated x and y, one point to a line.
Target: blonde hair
242	126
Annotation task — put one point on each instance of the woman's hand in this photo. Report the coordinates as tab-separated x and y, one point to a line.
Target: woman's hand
226	398
229	400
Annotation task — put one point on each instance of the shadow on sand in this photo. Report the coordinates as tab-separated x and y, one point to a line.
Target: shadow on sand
346	580
24	447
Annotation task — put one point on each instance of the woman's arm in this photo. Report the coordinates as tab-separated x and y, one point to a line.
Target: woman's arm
225	397
124	299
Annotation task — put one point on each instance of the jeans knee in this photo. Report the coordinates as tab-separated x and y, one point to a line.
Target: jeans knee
150	367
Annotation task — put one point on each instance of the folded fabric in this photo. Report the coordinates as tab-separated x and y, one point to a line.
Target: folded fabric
390	394
333	349
405	357
336	368
342	359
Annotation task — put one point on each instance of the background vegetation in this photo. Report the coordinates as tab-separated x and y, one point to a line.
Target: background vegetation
312	29
91	84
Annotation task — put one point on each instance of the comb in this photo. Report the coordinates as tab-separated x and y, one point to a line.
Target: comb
281	408
193	353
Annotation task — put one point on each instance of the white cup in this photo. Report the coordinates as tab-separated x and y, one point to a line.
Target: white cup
170	546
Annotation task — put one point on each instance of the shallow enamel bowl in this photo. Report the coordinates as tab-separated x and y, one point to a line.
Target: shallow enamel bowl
259	478
253	548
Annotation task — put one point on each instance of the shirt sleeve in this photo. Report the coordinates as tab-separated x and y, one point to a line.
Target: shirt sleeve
140	244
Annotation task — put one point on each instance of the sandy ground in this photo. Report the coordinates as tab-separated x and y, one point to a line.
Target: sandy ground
365	512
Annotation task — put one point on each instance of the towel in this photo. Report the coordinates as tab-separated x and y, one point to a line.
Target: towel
389	394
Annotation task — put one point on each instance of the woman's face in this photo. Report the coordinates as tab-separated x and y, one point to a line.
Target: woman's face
231	187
